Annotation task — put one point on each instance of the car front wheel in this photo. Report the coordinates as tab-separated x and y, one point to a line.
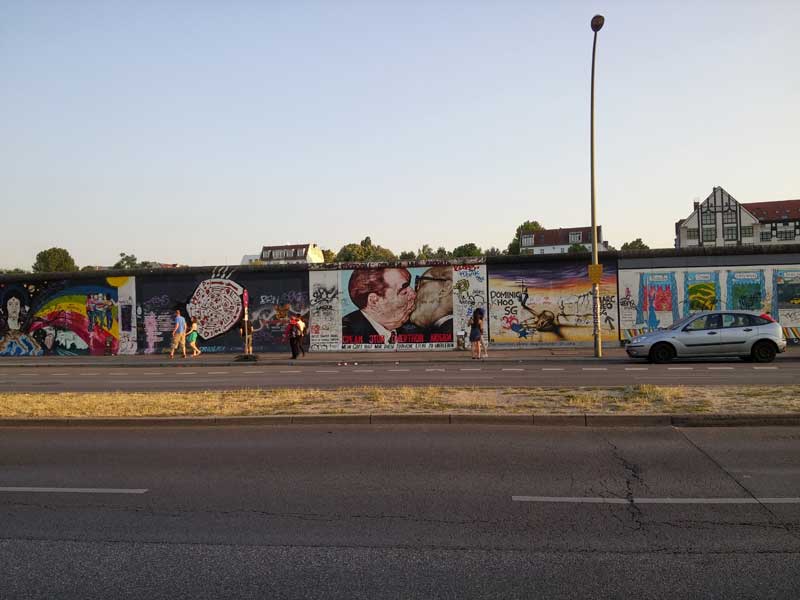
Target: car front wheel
661	353
763	352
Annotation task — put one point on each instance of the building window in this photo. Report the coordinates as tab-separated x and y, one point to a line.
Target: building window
747	231
575	237
786	235
562	251
278	254
709	218
692	234
709	234
527	240
730	233
766	236
728	217
541	250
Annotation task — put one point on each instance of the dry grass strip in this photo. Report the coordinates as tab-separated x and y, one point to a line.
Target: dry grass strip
636	399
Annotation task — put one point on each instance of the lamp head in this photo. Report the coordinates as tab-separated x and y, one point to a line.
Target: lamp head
597	23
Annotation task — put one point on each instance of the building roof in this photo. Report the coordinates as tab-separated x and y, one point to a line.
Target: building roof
285	247
780	210
560	236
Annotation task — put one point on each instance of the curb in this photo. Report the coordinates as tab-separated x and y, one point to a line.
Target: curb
179	364
547	420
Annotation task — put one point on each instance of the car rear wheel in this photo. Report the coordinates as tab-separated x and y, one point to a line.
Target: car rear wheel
661	353
763	352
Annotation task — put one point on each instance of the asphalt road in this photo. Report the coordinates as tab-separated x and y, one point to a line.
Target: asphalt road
399	512
465	373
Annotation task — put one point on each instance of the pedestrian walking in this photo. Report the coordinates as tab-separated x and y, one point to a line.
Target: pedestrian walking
476	332
293	333
191	338
178	334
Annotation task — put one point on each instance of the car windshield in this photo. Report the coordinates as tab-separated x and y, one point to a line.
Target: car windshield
680	323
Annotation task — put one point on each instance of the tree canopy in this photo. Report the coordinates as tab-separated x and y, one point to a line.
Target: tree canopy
636	244
526	227
129	261
576	249
469	249
365	251
54	260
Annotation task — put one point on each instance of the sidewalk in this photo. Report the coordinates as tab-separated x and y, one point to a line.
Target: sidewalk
610	354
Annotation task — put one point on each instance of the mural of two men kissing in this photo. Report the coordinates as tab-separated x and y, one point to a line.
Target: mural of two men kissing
397	307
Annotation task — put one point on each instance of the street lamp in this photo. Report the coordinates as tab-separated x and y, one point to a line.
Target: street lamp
595	270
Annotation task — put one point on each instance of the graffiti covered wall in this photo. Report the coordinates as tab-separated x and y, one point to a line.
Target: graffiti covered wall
655	298
216	299
82	317
549	303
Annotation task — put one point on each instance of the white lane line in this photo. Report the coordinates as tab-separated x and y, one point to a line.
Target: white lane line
552	369
470	369
363	370
512	369
292	371
398	370
189	373
58	374
88	374
636	368
599	500
254	372
720	368
680	368
55	490
431	370
326	371
594	369
151	373
765	368
217	373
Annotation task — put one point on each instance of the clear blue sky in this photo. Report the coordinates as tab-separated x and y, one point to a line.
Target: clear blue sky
196	132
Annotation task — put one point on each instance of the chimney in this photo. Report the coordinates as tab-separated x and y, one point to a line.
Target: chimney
696	205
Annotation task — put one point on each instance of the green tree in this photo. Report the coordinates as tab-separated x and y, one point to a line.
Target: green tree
408	255
576	249
526	227
636	244
54	260
329	256
365	251
126	261
469	249
442	253
14	271
425	253
493	251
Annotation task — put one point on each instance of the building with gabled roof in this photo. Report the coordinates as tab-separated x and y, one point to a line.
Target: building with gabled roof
720	220
286	255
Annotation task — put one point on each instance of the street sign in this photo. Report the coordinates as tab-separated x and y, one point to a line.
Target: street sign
595	273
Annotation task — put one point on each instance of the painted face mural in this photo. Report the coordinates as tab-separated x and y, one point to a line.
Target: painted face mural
396	307
61	317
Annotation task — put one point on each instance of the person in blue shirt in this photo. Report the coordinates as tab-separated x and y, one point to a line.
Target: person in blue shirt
178	334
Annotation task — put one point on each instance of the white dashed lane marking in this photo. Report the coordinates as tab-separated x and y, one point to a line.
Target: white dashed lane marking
680	368
217	372
398	370
326	371
431	370
720	368
469	369
552	369
636	368
772	368
363	370
299	371
595	369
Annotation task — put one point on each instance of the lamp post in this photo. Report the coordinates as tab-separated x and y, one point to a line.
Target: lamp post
597	25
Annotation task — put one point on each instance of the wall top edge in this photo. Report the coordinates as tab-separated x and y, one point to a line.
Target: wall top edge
678	256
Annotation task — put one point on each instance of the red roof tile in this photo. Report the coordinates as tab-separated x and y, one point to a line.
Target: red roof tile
774	211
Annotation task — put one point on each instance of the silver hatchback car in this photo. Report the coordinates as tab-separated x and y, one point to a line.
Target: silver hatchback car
748	335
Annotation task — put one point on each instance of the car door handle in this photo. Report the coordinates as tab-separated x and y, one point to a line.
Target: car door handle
712	333
748	329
